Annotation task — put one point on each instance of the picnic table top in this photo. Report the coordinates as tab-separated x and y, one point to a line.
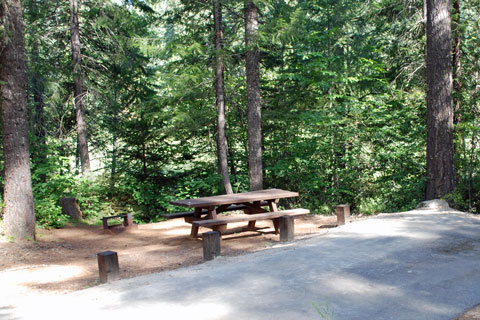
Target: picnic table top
269	194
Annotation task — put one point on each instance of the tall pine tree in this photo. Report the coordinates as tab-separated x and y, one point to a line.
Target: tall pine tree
19	215
440	150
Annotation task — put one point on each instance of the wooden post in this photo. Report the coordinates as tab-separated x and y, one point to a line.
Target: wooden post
128	220
105	223
196	214
287	228
211	245
343	214
108	266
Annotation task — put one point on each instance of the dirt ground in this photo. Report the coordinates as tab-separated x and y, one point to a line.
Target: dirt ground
65	260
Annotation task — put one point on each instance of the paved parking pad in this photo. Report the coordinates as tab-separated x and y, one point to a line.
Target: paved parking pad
421	264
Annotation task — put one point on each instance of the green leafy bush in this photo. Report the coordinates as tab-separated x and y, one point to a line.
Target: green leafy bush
52	179
372	205
49	185
49	214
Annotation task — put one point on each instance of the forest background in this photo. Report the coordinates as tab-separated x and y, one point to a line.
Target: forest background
342	90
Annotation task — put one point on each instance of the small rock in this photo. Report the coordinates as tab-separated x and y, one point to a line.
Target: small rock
436	204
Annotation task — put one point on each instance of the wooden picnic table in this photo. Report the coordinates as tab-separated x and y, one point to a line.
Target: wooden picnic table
253	203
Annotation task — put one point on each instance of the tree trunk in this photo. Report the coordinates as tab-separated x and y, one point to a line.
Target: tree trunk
457	63
440	149
37	92
220	98
115	111
39	152
78	88
19	214
113	175
253	97
144	161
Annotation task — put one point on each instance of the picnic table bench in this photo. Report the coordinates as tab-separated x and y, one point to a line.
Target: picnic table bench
127	221
206	210
191	214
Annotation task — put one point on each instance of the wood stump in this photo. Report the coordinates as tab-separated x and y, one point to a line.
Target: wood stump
108	266
343	214
71	208
287	228
211	245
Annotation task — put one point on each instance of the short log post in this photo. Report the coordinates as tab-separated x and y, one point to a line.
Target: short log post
287	224
128	220
343	214
105	223
108	266
211	245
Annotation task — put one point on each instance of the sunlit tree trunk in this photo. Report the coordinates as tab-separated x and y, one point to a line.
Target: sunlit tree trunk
440	150
253	96
220	98
78	88
19	215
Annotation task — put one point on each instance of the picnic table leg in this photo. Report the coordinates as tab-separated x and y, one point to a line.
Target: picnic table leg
194	232
276	222
197	214
212	214
251	224
276	225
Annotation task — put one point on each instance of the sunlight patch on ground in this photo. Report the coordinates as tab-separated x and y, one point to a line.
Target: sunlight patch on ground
386	228
15	282
164	225
178	232
433	308
364	290
39	274
358	286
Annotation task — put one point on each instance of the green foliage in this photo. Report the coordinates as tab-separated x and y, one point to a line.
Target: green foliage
48	187
466	196
53	180
91	197
343	105
48	213
372	205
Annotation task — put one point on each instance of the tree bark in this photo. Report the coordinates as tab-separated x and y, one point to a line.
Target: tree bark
253	97
220	98
115	111
440	149
78	88
37	119
37	92
19	214
457	63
